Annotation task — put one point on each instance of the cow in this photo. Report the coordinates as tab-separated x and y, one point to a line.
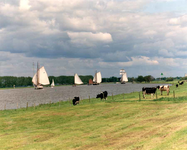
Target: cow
148	90
177	85
181	83
164	88
75	100
103	95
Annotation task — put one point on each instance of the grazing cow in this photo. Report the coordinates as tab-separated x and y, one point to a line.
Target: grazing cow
75	100
177	85
181	83
164	88
103	95
148	90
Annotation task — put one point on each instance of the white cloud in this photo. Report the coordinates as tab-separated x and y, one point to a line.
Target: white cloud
24	5
164	52
135	61
88	37
99	33
168	62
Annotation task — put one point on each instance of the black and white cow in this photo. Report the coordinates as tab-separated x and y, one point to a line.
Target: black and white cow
103	95
181	83
177	85
148	90
75	100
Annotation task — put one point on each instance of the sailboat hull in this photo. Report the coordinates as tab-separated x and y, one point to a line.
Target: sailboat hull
39	87
95	83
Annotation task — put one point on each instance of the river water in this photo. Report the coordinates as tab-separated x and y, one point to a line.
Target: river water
10	98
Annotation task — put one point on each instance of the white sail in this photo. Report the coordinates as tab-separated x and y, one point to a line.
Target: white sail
94	79
122	71
53	83
97	78
124	77
42	76
77	80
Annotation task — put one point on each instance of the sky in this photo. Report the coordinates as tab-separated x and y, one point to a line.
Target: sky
144	37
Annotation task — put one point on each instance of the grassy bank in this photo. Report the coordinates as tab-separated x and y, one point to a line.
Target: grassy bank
121	122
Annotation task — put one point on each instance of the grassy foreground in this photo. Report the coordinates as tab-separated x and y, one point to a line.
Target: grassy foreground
117	123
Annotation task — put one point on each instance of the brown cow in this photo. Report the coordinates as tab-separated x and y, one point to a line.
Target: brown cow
164	88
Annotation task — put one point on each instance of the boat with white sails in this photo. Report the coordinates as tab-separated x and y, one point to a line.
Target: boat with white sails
77	80
124	78
97	78
40	78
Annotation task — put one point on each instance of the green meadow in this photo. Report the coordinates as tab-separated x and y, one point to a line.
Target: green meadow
123	122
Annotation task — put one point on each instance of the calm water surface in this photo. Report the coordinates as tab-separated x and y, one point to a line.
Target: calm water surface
12	97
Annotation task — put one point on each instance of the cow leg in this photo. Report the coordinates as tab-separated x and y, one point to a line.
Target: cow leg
152	96
143	93
161	92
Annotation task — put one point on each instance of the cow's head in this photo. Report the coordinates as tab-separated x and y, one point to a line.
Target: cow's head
98	96
76	98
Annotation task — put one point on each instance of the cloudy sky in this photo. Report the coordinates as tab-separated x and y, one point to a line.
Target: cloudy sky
144	37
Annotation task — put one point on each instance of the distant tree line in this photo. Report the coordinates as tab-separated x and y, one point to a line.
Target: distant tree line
10	81
171	78
66	80
111	79
141	79
130	79
150	78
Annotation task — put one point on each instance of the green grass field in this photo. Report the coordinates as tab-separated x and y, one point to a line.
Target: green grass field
121	122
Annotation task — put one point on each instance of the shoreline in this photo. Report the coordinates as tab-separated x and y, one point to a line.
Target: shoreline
132	96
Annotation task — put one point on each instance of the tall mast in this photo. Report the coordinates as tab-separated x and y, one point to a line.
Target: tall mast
33	69
38	66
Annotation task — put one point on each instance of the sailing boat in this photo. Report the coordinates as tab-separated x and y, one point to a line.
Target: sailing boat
40	78
52	84
90	82
124	78
97	78
77	80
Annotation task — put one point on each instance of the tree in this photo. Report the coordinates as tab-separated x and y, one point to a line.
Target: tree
149	78
140	79
169	79
131	79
